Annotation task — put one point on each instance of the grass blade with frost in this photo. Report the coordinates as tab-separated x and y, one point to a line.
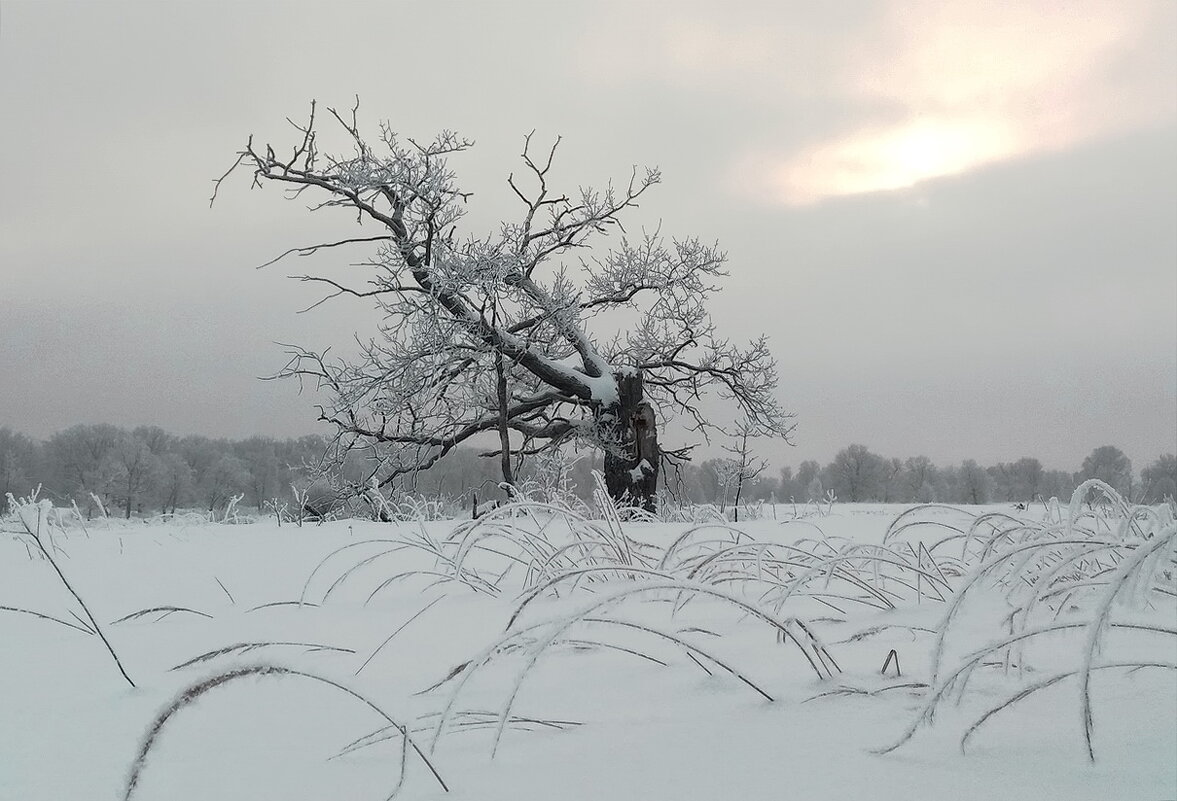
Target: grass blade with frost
163	611
194	692
247	647
44	616
398	630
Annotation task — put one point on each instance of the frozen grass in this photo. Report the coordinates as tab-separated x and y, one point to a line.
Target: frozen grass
766	615
190	694
1078	564
160	613
1063	575
1074	565
36	518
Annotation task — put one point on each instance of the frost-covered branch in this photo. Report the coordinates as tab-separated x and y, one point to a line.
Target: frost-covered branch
466	317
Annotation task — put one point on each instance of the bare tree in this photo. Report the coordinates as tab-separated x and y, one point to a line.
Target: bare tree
857	474
807	484
1109	464
920	477
19	464
454	306
81	456
1018	481
136	469
176	483
1159	479
973	483
891	469
743	467
224	478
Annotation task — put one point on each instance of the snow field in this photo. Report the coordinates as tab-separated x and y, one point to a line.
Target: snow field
652	694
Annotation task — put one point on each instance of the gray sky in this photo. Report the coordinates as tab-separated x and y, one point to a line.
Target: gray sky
957	221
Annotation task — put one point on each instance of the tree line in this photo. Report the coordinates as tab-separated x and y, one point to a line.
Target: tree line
102	467
857	474
147	470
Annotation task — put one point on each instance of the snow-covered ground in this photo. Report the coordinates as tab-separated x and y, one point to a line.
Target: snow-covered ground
636	705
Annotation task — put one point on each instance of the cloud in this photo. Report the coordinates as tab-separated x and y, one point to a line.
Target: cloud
748	49
969	84
923	88
878	159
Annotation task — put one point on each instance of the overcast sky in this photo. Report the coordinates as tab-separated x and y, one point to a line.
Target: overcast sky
956	220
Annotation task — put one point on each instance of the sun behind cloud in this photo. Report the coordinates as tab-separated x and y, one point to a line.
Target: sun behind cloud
900	92
965	85
892	158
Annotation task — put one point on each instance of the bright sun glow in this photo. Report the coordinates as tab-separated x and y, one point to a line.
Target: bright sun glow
955	87
893	158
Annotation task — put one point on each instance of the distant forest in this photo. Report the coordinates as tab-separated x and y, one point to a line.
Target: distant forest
146	470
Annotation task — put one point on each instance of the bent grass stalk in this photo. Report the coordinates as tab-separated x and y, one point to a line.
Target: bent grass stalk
241	648
188	696
1049	682
41	510
688	647
559	626
398	630
302	598
980	572
963	672
1164	539
164	611
18	610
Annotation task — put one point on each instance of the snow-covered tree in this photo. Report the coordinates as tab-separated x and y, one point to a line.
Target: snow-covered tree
176	484
742	467
81	463
857	474
920	477
222	481
19	465
136	471
1109	464
973	483
539	296
1160	479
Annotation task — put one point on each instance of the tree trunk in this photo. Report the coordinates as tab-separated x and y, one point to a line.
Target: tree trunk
501	394
504	433
632	455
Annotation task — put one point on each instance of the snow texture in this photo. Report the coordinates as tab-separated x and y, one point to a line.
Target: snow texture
649	728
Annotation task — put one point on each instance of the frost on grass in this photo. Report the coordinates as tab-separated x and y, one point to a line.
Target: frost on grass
1040	605
1083	580
192	693
37	519
1084	576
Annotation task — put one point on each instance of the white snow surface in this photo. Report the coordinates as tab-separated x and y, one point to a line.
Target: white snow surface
70	727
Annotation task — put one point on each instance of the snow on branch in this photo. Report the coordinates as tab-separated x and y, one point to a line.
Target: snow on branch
527	298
